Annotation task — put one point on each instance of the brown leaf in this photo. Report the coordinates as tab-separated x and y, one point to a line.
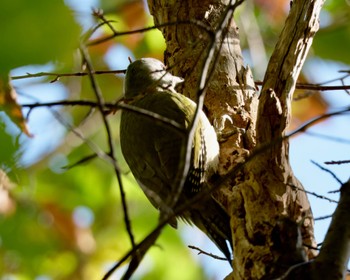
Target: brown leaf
8	103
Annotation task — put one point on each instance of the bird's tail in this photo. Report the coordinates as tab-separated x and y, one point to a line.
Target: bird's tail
212	219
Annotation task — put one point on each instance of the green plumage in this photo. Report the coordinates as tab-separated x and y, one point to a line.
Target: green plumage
152	149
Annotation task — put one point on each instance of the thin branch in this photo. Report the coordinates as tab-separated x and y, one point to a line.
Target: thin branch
315	87
306	86
152	115
74	130
336	79
100	100
327	137
323	217
314	194
328	171
158	26
89	33
315	120
88	103
332	261
146	242
80	162
108	106
301	129
99	14
77	133
337	162
343	83
59	75
201	252
321	88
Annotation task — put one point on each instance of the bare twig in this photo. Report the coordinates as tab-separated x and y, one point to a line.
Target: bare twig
158	26
59	75
315	120
99	14
100	100
337	162
332	261
67	125
157	117
88	103
145	243
328	171
315	87
81	161
201	252
327	137
323	217
321	88
314	194
107	107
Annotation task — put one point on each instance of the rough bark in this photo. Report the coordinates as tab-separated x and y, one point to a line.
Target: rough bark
333	259
268	208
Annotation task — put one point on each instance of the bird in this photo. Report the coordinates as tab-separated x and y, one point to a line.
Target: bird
152	149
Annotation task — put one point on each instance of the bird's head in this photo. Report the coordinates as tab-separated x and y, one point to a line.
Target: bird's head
147	74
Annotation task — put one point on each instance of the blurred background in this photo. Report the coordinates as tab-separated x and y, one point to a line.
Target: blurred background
67	223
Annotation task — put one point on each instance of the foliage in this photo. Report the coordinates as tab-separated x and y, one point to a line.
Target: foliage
35	34
67	223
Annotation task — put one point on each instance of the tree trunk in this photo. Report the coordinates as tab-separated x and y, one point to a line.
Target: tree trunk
270	214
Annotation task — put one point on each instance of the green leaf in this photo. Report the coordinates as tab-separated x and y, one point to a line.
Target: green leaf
333	43
35	32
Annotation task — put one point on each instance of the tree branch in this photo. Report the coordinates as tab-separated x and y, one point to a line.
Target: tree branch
59	75
333	258
100	100
284	68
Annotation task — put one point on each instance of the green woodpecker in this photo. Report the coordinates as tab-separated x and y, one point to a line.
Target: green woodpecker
153	149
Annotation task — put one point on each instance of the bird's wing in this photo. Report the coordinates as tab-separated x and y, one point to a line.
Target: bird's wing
152	149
